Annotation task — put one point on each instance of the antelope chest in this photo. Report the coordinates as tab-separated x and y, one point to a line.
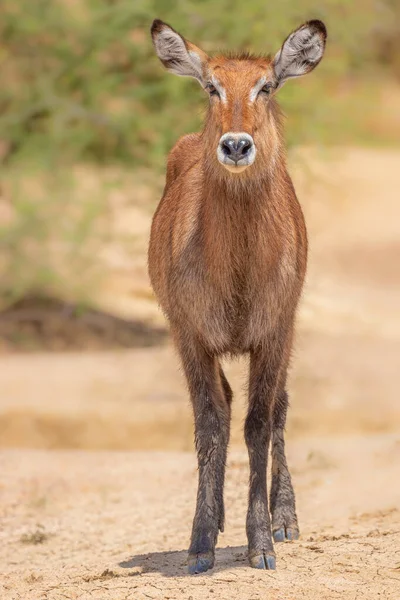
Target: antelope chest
233	305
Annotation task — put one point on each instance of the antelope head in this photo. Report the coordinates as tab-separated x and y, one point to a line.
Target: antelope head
241	127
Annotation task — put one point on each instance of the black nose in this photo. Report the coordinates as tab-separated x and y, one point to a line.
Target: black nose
236	148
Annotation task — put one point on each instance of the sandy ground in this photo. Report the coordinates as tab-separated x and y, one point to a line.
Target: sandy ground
115	525
80	524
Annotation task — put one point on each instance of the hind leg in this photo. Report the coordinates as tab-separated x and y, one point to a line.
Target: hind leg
228	397
282	497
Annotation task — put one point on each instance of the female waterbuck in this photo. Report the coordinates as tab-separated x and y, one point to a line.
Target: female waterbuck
227	260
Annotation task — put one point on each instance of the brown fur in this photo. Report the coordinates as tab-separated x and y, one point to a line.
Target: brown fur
227	260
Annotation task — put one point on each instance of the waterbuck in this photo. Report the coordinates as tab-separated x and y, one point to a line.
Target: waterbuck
227	260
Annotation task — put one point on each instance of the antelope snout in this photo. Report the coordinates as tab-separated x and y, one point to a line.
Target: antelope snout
236	151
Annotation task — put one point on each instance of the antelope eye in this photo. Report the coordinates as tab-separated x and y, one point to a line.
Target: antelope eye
266	89
212	90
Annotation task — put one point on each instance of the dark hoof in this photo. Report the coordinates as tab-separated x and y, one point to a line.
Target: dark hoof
279	535
200	563
282	534
263	561
292	534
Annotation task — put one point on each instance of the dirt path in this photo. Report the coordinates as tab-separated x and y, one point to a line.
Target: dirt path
82	525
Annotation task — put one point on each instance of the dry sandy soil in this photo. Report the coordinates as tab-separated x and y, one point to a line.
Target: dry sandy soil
80	524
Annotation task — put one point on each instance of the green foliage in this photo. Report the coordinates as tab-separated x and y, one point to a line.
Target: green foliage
81	83
50	233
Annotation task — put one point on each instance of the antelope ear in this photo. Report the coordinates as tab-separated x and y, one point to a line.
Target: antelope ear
178	55
301	51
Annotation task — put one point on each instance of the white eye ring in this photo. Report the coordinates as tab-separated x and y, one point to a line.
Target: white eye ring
267	88
211	89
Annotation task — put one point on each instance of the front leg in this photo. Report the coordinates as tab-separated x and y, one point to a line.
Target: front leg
265	368
211	406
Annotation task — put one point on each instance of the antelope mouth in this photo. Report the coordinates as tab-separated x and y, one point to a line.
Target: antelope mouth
235	168
236	151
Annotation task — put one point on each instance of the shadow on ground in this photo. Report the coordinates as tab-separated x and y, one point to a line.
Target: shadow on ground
174	563
44	323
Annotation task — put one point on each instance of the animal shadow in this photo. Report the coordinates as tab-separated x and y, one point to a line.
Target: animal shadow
174	563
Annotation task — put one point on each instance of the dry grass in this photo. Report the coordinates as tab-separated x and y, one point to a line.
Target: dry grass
39	536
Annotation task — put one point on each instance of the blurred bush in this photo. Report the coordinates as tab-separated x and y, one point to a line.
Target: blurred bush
83	81
81	84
